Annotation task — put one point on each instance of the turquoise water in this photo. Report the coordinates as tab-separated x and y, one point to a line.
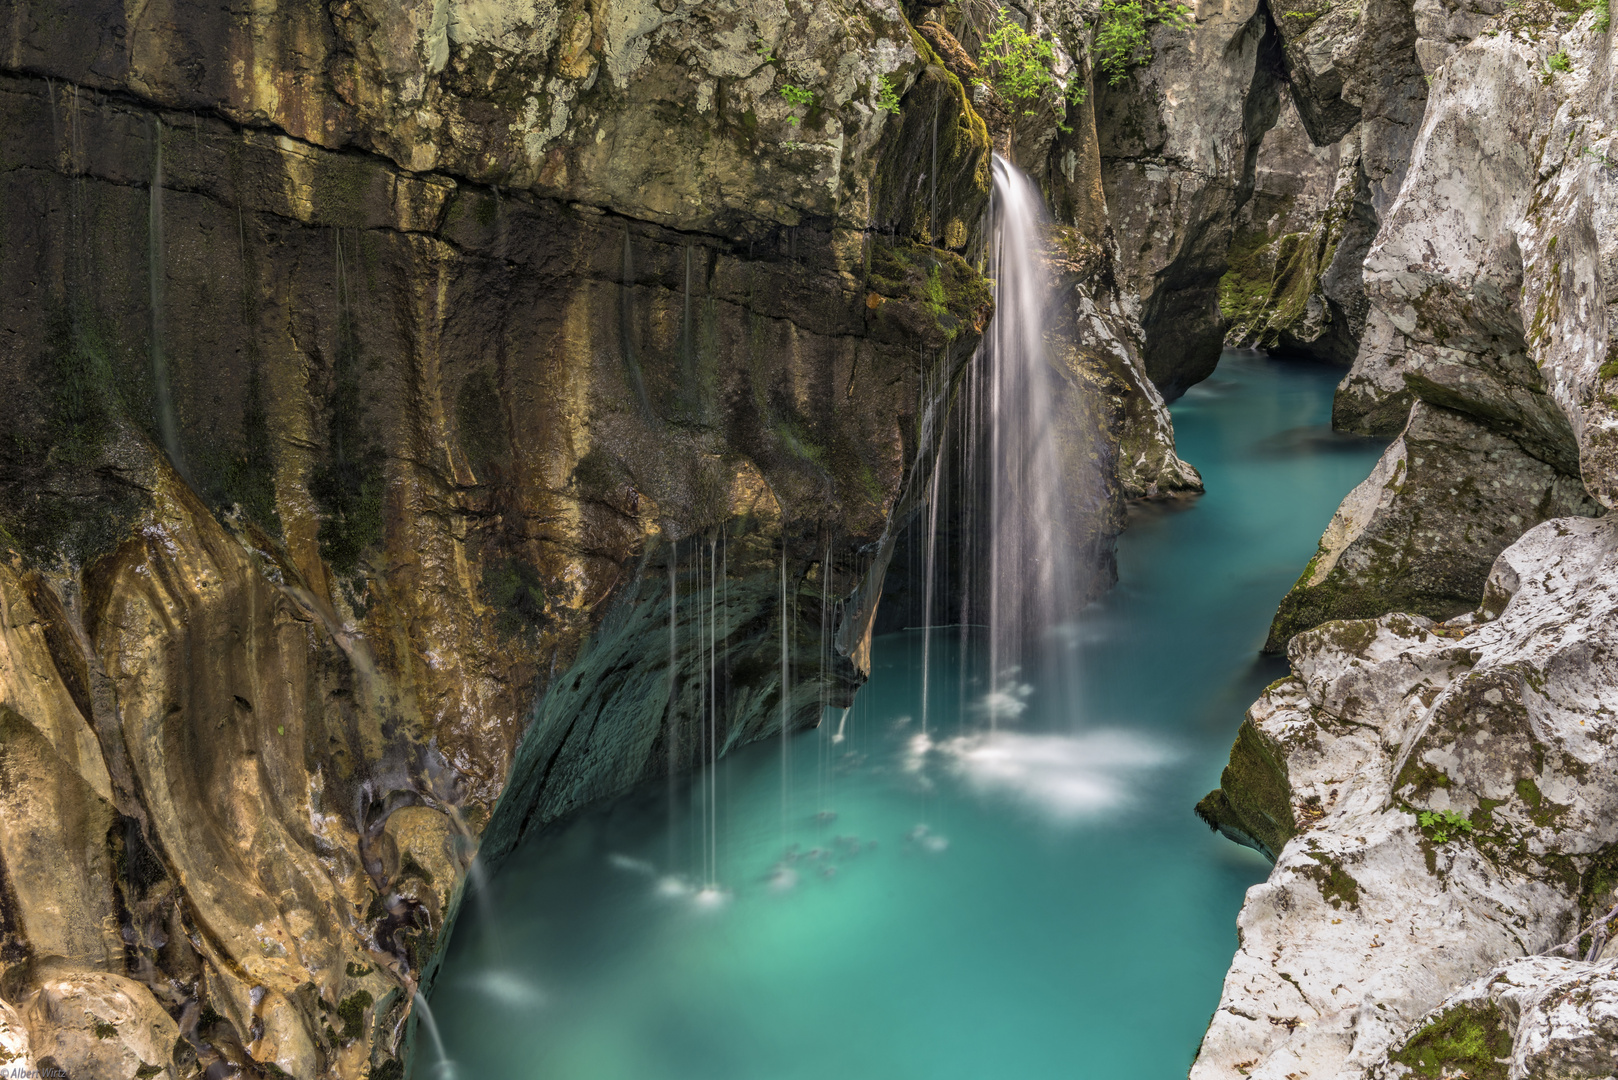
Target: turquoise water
1036	900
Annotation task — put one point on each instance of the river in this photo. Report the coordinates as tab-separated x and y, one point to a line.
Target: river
1022	891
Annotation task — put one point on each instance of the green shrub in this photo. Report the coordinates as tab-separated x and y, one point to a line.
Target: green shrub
1123	37
887	95
1022	67
1559	61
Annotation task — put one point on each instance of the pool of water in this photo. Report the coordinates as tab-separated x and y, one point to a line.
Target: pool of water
1019	890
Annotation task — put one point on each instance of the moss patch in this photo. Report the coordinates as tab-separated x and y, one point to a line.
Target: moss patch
1462	1041
1337	885
1255	796
352	1012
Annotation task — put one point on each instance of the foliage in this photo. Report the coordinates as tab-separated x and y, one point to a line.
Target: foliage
1022	67
1603	20
1123	37
887	95
1559	61
1444	824
797	97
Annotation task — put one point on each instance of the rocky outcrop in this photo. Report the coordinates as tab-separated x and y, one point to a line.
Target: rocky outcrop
379	370
1178	143
1486	303
1421	532
1294	284
1440	791
1534	1017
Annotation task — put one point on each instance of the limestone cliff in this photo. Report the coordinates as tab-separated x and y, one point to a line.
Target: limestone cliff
377	370
1436	794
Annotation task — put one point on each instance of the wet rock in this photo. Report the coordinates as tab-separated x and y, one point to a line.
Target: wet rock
1422	531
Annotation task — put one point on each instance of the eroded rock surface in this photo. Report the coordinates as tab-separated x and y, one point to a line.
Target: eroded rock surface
1501	726
1421	532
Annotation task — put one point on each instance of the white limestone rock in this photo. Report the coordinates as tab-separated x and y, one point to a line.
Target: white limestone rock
1369	920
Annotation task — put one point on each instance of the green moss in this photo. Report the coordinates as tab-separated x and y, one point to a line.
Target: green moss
351	1010
1337	886
105	1030
952	292
1466	1040
146	1070
1254	799
390	1069
358	971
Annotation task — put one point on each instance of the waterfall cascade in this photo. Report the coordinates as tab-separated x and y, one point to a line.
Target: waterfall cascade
1014	472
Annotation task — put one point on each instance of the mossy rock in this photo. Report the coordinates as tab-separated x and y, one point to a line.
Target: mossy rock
933	175
1253	803
1464	1040
941	298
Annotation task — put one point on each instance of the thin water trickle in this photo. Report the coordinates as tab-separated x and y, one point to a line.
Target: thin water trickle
167	424
441	1067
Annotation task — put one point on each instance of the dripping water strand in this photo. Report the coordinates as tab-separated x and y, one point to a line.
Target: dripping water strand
168	427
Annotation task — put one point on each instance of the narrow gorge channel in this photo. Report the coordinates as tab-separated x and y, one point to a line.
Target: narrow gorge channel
1032	900
782	539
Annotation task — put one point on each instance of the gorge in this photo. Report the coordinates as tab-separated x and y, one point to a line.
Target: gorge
463	460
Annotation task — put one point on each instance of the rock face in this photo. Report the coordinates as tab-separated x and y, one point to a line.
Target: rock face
1294	283
1527	1018
1421	532
1480	307
377	371
390	383
1500	725
1436	795
1178	143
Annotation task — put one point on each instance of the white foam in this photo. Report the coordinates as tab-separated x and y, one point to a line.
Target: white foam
1065	778
1004	704
631	864
509	989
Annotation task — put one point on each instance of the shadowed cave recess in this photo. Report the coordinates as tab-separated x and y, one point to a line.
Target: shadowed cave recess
553	538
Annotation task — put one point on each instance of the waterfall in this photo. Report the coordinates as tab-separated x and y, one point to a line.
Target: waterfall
443	1067
1031	573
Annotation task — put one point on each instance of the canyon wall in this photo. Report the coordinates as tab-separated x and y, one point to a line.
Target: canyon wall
1433	780
394	391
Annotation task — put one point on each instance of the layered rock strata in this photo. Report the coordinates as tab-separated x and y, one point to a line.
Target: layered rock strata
376	371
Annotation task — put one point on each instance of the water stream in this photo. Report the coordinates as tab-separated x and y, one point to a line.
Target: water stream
1034	902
